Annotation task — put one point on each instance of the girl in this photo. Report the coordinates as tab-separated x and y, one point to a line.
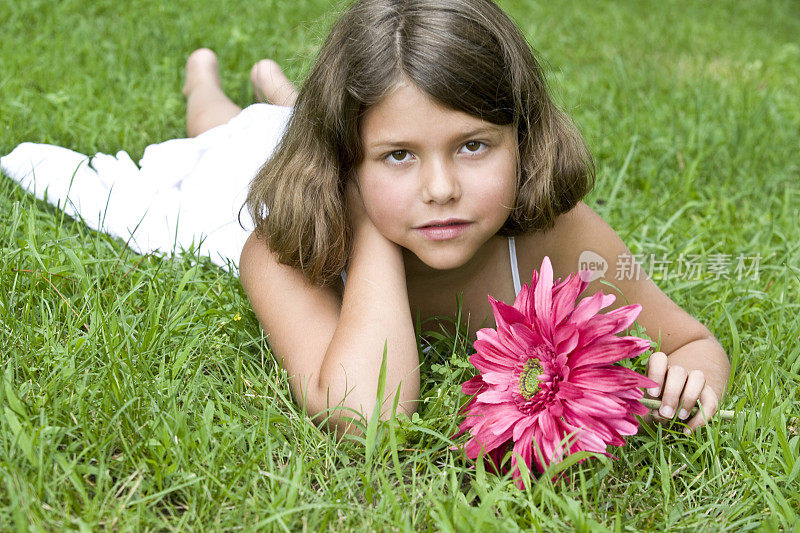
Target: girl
425	156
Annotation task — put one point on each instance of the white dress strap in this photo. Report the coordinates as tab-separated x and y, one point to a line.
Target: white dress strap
512	252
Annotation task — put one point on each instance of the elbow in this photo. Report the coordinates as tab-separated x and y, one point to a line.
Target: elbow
342	410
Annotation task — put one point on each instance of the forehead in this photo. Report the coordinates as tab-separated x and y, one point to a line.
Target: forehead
406	114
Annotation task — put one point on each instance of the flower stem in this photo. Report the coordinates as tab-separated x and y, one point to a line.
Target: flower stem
655	404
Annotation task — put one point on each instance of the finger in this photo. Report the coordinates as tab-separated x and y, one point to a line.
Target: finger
673	386
656	370
707	408
691	392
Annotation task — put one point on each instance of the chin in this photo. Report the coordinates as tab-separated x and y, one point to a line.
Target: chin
438	261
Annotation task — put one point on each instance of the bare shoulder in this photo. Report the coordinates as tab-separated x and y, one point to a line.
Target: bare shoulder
298	317
580	235
561	243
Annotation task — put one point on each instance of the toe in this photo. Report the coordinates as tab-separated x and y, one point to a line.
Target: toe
271	84
201	65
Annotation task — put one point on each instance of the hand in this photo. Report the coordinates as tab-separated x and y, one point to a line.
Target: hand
356	211
680	391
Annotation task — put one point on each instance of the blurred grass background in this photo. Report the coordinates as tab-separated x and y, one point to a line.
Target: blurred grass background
139	393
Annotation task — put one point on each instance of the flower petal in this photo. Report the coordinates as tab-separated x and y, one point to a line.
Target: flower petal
608	379
588	307
566	339
472	386
612	322
523	446
494	397
612	350
505	314
564	298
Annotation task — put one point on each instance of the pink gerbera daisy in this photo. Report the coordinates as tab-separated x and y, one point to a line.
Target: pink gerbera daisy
548	385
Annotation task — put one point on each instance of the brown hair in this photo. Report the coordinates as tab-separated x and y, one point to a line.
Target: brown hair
467	55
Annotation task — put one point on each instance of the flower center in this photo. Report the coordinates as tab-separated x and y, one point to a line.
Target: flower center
529	379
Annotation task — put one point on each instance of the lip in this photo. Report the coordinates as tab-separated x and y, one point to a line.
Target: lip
443	233
444	221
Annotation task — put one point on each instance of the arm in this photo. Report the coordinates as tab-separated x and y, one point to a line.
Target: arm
332	346
692	365
375	310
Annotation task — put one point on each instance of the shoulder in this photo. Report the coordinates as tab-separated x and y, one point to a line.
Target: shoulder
582	240
258	263
285	303
572	234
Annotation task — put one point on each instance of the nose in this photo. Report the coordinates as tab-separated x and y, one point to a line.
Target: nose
440	182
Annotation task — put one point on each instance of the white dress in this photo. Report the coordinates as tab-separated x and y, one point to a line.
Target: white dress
184	193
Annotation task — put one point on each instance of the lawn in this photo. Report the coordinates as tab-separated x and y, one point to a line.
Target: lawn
138	392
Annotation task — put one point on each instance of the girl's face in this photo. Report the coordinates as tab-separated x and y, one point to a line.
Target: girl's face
424	162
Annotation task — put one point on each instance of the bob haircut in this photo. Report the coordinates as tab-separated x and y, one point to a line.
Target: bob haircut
465	54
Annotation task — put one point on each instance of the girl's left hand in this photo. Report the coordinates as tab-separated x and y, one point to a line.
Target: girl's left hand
680	391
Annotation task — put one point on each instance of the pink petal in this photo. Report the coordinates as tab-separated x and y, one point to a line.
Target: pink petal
472	386
494	397
589	307
623	426
505	314
566	339
524	300
611	322
611	351
523	425
590	406
564	298
523	447
588	440
491	356
609	379
516	339
475	446
525	336
549	437
502	380
503	417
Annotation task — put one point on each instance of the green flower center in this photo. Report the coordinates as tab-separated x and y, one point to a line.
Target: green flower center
529	379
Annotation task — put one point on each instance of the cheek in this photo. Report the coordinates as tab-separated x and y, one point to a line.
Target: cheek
500	193
384	200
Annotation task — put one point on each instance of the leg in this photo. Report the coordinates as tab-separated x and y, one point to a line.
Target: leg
271	85
206	103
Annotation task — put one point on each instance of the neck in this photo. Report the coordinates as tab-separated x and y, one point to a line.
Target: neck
417	271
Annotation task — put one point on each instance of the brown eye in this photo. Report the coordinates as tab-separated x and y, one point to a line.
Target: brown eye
399	155
473	146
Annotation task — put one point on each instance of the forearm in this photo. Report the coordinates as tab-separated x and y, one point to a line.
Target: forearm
374	311
708	356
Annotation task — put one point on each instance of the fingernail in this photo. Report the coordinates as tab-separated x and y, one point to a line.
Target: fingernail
683	414
666	411
653	391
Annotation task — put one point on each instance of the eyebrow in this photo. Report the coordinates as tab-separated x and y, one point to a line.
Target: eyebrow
391	143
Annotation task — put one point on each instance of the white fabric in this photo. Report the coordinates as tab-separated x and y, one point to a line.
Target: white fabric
512	253
182	193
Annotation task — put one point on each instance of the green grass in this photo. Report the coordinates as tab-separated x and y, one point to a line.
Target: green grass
139	393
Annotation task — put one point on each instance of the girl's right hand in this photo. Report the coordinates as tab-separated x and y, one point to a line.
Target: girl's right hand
354	203
360	222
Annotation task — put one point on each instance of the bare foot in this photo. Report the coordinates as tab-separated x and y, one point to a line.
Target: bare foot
207	106
202	68
271	85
